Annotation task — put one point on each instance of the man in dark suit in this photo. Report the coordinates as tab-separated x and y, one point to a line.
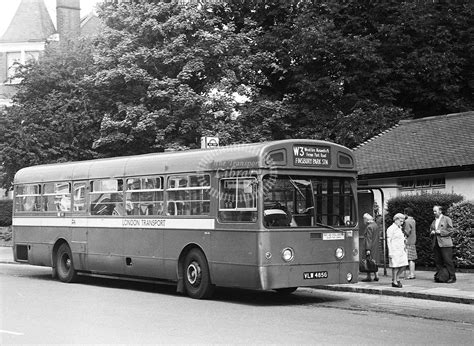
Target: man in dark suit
441	230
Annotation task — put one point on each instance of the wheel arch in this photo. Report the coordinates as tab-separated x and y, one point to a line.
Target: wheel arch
54	253
179	269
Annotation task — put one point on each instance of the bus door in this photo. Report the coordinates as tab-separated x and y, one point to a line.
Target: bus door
104	231
79	224
142	226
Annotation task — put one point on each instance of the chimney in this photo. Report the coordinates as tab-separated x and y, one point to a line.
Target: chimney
68	13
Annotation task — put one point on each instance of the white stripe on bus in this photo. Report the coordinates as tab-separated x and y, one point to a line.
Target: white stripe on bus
115	222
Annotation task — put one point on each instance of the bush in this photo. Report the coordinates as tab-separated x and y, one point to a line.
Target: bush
422	206
5	234
463	220
6	212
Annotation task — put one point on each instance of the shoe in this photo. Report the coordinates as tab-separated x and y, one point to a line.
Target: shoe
411	277
397	285
376	279
451	281
366	280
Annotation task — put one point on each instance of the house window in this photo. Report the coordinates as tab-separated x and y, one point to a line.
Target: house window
407	184
13	62
422	183
438	182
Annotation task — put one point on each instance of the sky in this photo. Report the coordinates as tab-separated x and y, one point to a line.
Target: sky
8	9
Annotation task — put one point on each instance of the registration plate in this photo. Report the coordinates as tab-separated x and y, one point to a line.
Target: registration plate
315	275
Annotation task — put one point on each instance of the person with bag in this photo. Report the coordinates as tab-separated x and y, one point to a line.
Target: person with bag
371	241
441	230
397	255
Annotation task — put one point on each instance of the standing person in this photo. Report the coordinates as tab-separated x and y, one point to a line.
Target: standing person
371	240
441	230
397	254
410	233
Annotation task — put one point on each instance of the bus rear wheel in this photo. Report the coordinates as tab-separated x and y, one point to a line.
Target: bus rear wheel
64	265
197	279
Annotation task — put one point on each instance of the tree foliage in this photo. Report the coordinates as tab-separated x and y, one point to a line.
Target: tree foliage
463	221
161	75
171	74
53	118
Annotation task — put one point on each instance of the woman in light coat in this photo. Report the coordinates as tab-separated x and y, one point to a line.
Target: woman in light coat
398	258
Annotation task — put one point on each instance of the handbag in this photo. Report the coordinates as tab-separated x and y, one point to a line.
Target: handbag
368	265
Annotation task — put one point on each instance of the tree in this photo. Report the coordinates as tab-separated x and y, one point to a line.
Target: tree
171	74
426	49
161	75
53	117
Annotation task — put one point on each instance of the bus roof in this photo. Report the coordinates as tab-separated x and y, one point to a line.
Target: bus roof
243	156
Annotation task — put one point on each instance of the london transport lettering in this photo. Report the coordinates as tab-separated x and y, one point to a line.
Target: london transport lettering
144	222
311	155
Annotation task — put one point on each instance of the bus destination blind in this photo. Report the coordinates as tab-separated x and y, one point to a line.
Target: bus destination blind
311	156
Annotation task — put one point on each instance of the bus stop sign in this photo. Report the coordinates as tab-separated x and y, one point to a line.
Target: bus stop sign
209	142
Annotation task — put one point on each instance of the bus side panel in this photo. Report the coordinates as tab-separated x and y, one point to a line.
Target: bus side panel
143	251
105	250
176	241
78	246
39	241
234	259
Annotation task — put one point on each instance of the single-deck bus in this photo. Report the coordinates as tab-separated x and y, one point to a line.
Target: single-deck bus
269	216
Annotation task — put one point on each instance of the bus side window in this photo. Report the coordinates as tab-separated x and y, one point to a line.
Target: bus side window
238	200
79	196
189	195
28	198
106	197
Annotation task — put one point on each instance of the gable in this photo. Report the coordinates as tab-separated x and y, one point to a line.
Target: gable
30	23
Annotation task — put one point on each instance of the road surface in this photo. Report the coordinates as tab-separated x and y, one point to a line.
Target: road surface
34	308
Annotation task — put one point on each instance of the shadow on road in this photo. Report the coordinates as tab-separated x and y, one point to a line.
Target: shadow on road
228	295
222	294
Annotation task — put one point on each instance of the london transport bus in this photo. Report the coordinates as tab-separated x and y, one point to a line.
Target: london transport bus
268	216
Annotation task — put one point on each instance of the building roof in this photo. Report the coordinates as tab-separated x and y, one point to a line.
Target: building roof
439	143
30	23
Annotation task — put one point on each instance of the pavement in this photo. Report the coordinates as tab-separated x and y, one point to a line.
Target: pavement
423	287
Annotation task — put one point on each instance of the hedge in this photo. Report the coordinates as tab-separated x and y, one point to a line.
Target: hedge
422	206
6	206
463	220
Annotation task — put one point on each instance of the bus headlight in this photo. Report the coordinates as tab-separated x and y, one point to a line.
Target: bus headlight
287	254
339	253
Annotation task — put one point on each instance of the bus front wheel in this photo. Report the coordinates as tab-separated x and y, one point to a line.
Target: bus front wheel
197	279
64	266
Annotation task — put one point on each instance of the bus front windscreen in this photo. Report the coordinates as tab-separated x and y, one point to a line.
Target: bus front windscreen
305	201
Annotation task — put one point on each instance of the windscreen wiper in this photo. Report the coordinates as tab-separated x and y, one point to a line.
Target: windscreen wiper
330	227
